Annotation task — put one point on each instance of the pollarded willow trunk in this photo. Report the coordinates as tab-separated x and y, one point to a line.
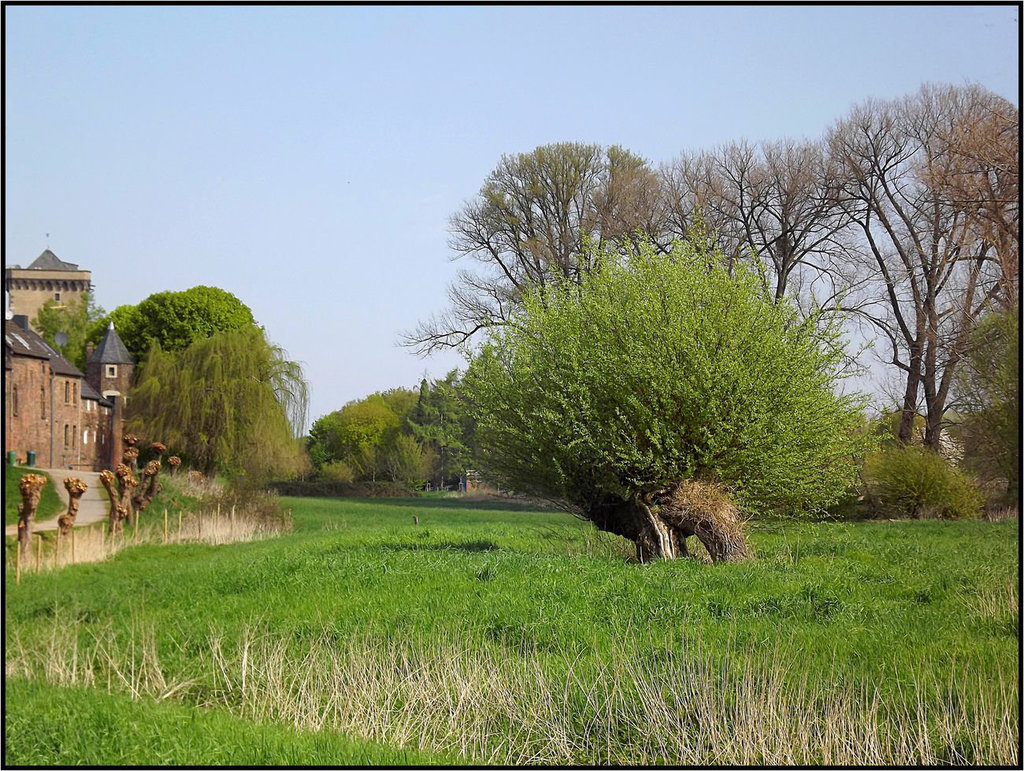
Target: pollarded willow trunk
114	517
174	462
660	522
31	487
148	487
705	510
76	489
126	481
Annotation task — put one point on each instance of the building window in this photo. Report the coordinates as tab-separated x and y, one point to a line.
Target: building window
111	370
42	401
67	435
74	436
74	392
67	392
14	400
85	437
56	296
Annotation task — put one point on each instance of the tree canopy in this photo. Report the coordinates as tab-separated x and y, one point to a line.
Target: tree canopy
230	402
75	319
175	320
529	224
371	439
656	370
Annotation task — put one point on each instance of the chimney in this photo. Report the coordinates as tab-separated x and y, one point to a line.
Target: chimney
21	320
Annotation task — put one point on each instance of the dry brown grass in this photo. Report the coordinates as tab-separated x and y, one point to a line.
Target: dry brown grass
639	707
95	544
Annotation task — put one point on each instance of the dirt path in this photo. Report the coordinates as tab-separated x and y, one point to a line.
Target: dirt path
92	507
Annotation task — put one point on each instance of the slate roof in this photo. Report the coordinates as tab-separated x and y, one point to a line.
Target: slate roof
50	261
88	392
111	350
21	342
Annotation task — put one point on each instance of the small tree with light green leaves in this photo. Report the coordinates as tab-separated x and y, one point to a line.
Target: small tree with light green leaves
662	397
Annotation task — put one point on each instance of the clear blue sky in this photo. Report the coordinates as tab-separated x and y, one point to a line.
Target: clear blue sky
308	159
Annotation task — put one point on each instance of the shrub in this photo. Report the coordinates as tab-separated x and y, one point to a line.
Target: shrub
338	471
917	482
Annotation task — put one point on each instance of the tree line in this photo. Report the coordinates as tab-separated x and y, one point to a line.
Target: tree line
903	218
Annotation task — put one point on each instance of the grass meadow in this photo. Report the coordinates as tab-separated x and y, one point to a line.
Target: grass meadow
442	630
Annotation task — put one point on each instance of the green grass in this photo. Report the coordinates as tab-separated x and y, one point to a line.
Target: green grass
49	502
553	621
73	726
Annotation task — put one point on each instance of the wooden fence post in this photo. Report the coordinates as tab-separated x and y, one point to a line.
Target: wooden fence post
72	546
179	525
39	552
165	525
17	564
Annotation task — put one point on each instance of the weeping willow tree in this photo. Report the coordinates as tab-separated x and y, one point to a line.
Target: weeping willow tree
231	403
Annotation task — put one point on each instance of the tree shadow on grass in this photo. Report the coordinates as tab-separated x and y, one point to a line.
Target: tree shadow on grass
464	504
466	546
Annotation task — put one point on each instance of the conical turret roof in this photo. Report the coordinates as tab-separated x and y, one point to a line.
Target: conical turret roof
50	261
111	350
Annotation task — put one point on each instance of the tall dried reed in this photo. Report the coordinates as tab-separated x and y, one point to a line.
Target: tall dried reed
689	705
94	544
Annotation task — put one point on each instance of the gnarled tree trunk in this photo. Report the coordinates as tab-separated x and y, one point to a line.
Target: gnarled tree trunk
115	517
148	488
126	481
659	522
31	487
76	488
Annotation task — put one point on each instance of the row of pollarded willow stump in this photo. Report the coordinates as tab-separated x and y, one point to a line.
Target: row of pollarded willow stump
123	504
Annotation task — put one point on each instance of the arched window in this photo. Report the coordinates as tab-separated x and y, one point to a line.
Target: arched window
67	392
14	400
42	401
67	435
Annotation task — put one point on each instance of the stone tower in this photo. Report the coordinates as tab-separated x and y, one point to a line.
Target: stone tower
47	278
110	369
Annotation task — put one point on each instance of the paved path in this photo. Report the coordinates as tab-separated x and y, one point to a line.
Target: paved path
93	506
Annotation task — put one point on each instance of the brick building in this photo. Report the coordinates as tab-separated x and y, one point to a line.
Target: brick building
67	419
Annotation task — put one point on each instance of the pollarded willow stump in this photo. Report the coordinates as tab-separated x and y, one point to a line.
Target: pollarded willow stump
702	509
76	489
126	482
108	481
148	487
31	487
159	448
130	454
659	522
174	462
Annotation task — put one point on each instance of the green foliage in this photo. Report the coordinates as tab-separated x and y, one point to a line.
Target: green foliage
440	423
989	387
175	320
655	369
49	501
370	439
917	482
231	402
75	319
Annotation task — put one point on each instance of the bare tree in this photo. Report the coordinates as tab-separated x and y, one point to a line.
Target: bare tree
778	200
529	223
936	271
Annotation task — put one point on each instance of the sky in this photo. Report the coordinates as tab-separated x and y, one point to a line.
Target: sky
307	159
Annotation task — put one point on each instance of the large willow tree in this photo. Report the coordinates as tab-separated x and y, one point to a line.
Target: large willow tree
231	402
660	397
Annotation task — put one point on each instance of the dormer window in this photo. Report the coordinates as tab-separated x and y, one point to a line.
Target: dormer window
111	370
